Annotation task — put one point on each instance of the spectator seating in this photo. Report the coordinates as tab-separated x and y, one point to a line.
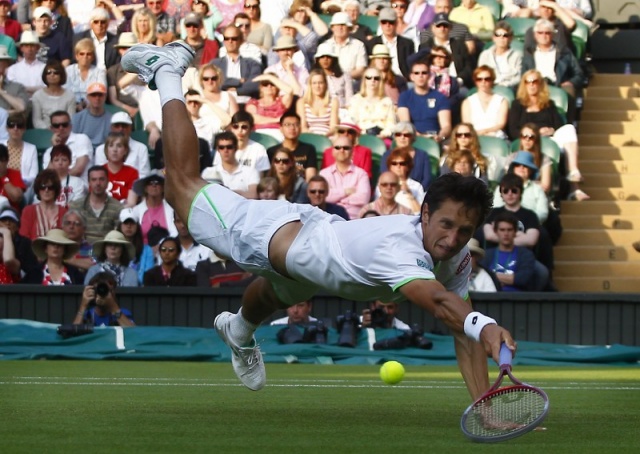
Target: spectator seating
432	148
520	25
579	36
560	99
500	90
493	6
265	140
320	143
41	138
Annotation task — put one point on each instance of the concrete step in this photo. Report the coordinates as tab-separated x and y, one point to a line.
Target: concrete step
598	237
613	194
616	92
595	221
594	254
621	208
605	103
585	138
594	166
614	80
596	269
610	115
609	153
605	126
611	180
612	284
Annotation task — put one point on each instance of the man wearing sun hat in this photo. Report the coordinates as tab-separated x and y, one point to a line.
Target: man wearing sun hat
28	71
286	69
352	54
138	156
106	53
95	120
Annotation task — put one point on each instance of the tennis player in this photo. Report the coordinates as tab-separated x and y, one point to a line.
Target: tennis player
299	249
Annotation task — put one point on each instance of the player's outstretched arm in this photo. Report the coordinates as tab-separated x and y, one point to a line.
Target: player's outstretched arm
452	311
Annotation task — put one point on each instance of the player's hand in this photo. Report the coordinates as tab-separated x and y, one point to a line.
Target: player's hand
492	337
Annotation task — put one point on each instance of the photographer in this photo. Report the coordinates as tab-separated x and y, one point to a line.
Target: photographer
99	307
382	315
298	314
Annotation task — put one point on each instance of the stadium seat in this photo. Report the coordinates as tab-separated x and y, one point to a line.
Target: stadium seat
579	36
113	109
500	90
41	138
369	21
320	143
141	136
560	99
265	140
432	148
376	144
326	18
138	124
494	146
493	6
520	25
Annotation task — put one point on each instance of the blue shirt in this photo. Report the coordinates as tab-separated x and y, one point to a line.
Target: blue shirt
105	320
424	109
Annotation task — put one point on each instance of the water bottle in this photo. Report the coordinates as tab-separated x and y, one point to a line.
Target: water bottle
627	68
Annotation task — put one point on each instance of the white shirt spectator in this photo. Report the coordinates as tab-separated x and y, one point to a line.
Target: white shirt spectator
190	257
238	180
254	155
29	163
27	74
80	145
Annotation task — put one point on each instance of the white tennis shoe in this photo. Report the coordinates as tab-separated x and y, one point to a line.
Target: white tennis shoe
247	361
145	59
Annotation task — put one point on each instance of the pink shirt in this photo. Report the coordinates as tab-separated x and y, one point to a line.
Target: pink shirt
153	216
356	178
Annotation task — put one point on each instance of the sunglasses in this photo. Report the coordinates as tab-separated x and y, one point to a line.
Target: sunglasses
502	35
510	190
167	249
342	147
73	223
101	22
420	73
290	125
52	72
84	54
399	5
442	25
254	6
484	79
387	184
243	25
64	124
438	56
194	102
376	78
466	135
532	81
317	191
346	131
47	187
95	94
119	125
239	126
527	136
12	125
154	183
192	25
406	135
231	38
210	78
266	83
387	22
282	161
226	147
399	163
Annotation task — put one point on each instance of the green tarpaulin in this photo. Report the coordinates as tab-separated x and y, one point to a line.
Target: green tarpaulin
24	339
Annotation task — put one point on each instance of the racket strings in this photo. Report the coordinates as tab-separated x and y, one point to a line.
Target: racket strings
505	411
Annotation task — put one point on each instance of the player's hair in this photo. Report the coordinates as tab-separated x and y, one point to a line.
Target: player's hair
471	191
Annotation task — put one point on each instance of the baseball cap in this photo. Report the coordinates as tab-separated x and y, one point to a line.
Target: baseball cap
125	215
41	11
121	117
9	213
96	87
192	18
441	18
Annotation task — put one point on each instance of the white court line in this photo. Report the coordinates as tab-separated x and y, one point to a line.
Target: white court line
154	382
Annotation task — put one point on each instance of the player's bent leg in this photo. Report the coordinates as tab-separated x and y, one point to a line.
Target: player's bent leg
236	330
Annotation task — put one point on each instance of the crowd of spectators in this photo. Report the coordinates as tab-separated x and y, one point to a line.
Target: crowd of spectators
294	99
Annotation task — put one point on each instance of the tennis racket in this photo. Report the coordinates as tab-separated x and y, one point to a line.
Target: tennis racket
505	412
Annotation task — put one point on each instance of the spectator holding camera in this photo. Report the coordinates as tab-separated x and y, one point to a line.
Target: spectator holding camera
99	306
382	315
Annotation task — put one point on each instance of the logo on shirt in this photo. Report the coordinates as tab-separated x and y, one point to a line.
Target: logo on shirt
423	264
464	263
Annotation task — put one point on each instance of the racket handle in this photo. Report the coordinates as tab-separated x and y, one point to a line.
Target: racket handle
505	355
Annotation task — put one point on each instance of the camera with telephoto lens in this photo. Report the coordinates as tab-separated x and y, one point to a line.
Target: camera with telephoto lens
102	289
348	326
290	334
409	338
315	333
379	318
74	330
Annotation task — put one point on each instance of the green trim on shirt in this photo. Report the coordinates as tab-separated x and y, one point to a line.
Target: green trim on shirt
211	203
406	281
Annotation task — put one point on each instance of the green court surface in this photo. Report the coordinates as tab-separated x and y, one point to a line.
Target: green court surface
187	407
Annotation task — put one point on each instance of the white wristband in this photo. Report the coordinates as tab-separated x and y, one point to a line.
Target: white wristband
474	323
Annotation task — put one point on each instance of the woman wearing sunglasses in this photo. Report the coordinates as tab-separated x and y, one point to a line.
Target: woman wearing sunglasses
464	136
37	219
404	135
53	96
485	110
370	109
23	156
211	80
291	184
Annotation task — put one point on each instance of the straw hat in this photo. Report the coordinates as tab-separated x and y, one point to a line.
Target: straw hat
285	42
114	237
126	40
55	236
380	51
29	37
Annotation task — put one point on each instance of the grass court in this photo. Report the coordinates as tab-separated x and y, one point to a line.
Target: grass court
160	407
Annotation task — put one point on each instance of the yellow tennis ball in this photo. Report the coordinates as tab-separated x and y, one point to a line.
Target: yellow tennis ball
392	372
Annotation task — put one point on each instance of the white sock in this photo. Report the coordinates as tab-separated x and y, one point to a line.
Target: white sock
169	85
241	329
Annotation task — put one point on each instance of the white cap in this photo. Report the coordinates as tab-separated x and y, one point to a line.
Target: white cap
41	11
126	214
121	117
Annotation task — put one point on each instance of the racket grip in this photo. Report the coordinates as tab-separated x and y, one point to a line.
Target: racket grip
505	355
